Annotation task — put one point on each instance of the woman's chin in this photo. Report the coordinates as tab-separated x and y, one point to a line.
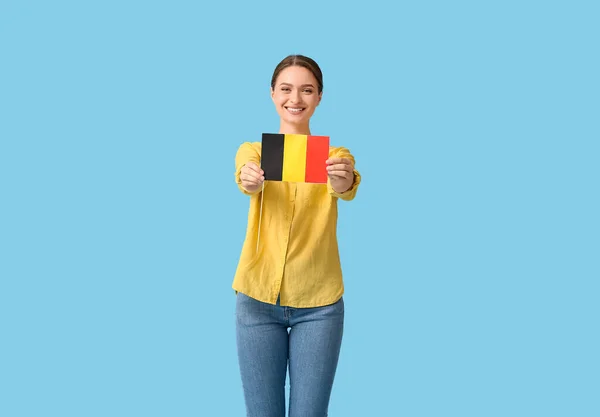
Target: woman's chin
296	121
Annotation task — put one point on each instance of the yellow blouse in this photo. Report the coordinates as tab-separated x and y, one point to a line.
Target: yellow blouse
297	257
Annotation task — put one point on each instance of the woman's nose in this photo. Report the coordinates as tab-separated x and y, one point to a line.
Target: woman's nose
296	97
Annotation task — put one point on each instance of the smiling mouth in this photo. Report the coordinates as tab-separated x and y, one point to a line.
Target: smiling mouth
295	110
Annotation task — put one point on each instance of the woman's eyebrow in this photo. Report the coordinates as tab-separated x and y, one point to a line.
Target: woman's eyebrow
303	85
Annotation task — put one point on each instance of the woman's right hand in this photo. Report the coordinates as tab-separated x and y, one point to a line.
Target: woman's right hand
252	177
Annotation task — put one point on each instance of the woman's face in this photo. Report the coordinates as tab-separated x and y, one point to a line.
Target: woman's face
296	95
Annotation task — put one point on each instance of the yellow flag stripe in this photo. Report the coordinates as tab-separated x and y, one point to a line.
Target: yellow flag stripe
294	158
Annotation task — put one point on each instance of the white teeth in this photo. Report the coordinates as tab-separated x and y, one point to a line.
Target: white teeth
295	110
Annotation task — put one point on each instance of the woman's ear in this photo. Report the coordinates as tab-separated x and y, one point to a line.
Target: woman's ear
320	97
272	93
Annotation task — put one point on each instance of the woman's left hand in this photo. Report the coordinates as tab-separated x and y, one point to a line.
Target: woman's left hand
341	174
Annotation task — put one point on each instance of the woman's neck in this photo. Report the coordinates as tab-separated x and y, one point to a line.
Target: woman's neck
294	129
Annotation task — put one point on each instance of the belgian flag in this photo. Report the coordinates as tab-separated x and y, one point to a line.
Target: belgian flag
294	158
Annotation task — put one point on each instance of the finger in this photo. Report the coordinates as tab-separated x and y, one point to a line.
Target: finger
339	167
251	179
341	174
251	173
247	184
332	161
250	187
254	167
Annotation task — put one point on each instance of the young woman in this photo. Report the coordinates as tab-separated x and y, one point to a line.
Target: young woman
289	305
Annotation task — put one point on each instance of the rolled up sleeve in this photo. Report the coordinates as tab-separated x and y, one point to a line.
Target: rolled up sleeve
247	152
341	152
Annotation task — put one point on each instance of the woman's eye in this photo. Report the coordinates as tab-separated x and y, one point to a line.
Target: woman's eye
285	89
308	90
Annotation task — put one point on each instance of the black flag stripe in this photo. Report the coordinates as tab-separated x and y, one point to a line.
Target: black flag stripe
272	156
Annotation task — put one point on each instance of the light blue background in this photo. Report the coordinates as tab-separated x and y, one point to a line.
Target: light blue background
471	253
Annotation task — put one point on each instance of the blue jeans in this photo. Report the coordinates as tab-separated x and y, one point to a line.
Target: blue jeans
312	347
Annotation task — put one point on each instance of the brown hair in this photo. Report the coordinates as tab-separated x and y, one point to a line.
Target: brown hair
300	61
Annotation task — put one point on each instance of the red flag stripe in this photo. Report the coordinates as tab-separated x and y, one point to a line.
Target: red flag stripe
317	152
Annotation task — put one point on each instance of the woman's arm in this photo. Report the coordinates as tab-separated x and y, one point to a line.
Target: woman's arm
248	175
343	178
